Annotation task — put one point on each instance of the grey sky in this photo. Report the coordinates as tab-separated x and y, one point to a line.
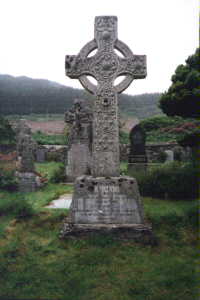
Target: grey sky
37	34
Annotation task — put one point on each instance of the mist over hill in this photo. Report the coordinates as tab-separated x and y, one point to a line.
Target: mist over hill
23	95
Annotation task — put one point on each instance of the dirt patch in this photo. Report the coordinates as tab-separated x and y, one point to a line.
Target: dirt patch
48	127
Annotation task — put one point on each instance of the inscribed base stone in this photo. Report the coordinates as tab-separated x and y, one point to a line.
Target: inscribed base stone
113	200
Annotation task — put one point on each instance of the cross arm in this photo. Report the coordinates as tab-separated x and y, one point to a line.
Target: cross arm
134	66
76	66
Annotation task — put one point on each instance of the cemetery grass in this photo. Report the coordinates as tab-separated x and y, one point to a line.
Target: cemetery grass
36	264
48	139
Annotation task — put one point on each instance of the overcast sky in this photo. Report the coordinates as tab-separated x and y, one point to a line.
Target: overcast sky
36	35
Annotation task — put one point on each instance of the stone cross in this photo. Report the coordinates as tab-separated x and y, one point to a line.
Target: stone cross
105	66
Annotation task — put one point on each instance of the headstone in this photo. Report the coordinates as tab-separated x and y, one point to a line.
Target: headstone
41	154
26	169
105	200
79	120
22	129
137	155
29	181
169	155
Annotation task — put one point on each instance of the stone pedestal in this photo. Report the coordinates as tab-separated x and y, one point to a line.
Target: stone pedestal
106	205
27	182
113	200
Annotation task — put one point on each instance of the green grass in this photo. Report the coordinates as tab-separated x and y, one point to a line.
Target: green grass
39	198
34	202
45	139
36	264
48	168
123	167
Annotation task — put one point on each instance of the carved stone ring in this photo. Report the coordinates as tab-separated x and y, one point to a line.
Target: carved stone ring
105	66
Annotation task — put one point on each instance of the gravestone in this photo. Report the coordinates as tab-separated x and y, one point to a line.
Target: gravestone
26	169
22	129
28	179
105	200
79	120
40	154
169	155
137	155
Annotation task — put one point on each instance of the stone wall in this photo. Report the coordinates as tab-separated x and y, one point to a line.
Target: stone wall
59	152
153	150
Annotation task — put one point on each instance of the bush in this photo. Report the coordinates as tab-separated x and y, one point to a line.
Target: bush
8	180
58	175
18	206
168	129
190	138
123	137
162	156
173	180
158	122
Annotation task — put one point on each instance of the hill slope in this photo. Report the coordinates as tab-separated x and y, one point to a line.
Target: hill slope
23	95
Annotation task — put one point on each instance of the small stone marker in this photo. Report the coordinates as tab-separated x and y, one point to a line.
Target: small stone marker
26	148
41	154
105	200
80	141
26	168
169	155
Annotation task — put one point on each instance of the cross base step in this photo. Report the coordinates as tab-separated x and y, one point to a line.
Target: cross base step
141	233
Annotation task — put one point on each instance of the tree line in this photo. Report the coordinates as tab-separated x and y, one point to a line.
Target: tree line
23	95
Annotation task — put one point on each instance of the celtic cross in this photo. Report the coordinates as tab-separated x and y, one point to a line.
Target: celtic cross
105	66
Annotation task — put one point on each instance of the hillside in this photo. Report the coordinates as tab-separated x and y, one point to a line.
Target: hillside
23	95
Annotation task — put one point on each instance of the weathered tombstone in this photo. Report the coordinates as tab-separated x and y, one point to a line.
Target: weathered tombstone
26	169
105	200
79	119
22	127
21	130
41	154
169	155
137	155
29	180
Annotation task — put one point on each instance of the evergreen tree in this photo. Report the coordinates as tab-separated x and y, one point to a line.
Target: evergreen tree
182	97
